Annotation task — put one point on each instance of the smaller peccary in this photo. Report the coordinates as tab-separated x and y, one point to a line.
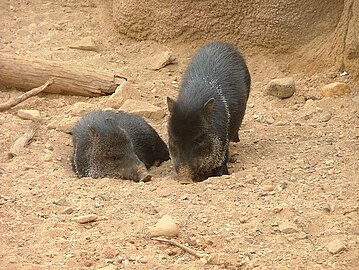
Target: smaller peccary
116	144
208	111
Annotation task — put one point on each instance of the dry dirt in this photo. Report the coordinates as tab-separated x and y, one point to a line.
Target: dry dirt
293	191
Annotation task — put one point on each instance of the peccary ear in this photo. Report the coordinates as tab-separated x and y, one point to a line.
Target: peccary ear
170	104
208	106
92	133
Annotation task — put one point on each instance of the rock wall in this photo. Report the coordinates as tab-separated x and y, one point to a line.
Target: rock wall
281	26
340	48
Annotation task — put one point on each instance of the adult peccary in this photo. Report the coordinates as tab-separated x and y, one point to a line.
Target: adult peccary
116	144
208	112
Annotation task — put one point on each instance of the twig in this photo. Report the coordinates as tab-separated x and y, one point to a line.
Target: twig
13	102
186	249
23	140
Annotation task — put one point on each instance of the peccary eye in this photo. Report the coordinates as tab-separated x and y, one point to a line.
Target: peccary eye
201	139
113	157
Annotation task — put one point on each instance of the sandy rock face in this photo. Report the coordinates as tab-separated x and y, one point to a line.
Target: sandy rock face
278	25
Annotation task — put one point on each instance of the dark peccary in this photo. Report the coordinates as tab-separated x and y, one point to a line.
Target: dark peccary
116	144
208	112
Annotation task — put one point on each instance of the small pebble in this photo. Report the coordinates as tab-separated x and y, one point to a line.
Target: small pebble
60	202
249	178
85	219
67	210
325	117
356	99
49	146
29	114
108	267
277	209
281	123
336	246
184	197
86	44
288	227
142	260
97	205
164	227
46	158
268	188
270	120
335	89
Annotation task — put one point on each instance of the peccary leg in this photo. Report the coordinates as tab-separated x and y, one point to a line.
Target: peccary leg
223	169
233	132
219	171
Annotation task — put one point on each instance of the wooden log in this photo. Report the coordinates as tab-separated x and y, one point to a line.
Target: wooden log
27	73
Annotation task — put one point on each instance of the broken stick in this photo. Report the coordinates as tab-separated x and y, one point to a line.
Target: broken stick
23	140
13	102
183	247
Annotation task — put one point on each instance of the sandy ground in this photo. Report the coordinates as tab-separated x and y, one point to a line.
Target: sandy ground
290	202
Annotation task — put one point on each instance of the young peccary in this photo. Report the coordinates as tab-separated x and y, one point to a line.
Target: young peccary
116	144
208	112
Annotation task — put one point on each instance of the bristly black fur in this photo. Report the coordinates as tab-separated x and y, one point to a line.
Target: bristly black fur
114	144
217	71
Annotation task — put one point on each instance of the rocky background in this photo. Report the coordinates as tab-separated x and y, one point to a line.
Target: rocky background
291	200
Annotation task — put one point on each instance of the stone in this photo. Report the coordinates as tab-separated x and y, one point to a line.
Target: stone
142	108
277	209
335	89
161	60
104	197
122	93
249	178
166	226
142	260
270	120
288	227
46	158
109	267
64	125
268	188
281	123
336	246
49	146
67	210
325	117
281	88
29	114
356	99
80	108
85	219
60	202
86	44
